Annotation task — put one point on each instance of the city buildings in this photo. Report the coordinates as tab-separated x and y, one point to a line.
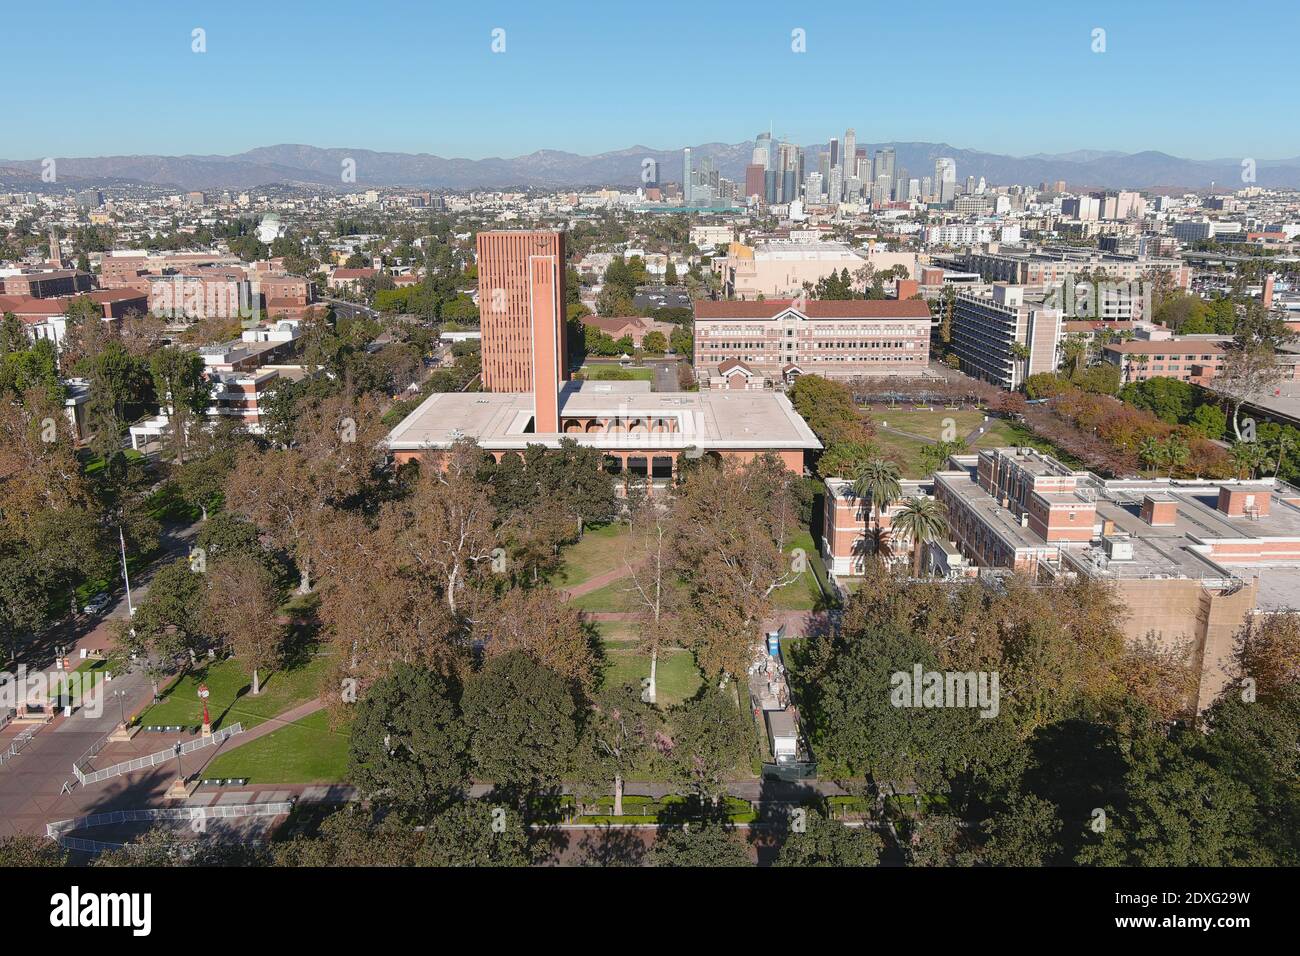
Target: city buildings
781	268
640	432
1190	560
1004	337
780	339
1187	358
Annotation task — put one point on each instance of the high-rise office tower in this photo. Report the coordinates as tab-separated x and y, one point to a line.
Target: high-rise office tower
687	173
884	166
850	153
835	154
522	317
762	150
900	184
945	179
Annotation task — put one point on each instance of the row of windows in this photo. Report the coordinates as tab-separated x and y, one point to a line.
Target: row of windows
809	345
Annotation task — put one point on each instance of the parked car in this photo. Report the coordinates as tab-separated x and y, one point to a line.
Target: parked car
98	603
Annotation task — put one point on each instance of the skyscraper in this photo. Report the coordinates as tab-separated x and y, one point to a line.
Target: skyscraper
835	156
945	179
522	312
884	165
850	154
686	176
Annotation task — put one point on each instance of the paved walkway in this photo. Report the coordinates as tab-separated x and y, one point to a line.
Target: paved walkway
595	583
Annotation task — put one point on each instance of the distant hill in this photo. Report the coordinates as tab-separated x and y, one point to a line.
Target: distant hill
311	165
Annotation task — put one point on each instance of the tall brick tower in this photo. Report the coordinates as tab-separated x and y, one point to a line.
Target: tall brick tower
522	316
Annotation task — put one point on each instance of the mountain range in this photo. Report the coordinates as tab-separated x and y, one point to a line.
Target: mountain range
314	166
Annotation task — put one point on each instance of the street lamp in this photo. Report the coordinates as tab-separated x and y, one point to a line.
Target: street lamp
207	723
126	578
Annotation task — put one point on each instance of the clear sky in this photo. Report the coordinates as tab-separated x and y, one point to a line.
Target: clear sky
1195	79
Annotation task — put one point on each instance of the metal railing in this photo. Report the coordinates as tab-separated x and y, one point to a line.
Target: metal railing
229	811
151	760
18	743
58	830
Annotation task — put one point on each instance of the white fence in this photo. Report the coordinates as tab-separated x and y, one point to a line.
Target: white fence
58	830
152	760
18	743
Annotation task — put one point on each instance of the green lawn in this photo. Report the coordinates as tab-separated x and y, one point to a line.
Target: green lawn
616	373
306	751
231	698
676	676
907	451
596	552
801	594
930	424
613	597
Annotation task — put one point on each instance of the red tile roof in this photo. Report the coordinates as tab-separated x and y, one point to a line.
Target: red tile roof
815	309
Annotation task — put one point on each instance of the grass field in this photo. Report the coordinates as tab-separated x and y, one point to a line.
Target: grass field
306	751
231	698
802	594
617	373
676	676
907	450
613	597
598	551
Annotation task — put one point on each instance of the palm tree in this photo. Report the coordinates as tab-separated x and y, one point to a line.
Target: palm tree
1176	453
877	484
1283	443
1150	452
1075	351
1247	456
1020	352
923	520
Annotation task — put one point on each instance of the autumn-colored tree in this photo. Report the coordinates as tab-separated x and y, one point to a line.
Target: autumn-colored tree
546	628
445	528
1268	651
654	587
731	527
241	605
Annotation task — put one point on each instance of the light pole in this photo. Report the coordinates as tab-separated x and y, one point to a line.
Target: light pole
207	723
178	790
126	578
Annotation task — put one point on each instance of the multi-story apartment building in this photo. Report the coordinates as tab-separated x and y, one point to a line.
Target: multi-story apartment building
780	339
118	267
509	280
1003	338
44	283
781	268
1185	358
1040	269
1190	560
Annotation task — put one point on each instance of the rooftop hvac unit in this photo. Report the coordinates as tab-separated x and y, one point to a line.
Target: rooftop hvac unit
1118	548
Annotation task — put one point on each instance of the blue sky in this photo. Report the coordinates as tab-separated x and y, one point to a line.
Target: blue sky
1191	78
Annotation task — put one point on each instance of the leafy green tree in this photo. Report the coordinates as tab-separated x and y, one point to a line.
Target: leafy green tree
474	833
923	520
182	391
712	736
408	745
829	410
827	842
30	851
522	722
699	844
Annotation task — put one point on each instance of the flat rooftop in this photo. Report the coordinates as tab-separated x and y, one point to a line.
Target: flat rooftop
712	419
